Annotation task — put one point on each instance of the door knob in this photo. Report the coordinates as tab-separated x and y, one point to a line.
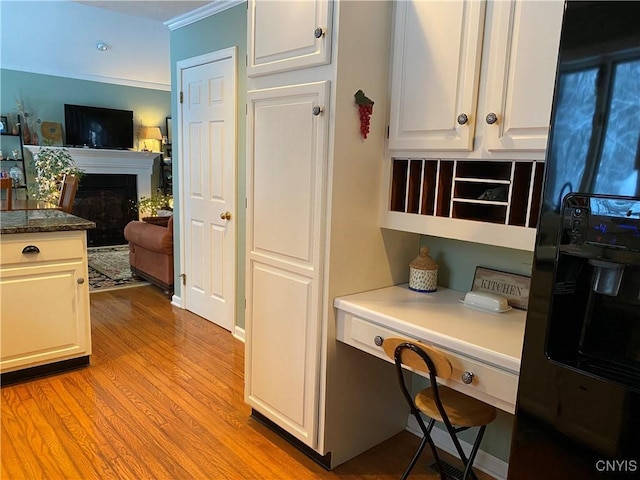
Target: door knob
225	215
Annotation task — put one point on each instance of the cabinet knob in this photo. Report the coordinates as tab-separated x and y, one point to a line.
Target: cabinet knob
80	281
467	377
491	118
378	340
317	110
319	32
225	215
30	249
462	118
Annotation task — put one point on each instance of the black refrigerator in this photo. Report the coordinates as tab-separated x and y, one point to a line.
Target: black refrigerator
578	408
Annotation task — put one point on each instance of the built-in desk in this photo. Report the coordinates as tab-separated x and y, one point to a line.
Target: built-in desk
489	345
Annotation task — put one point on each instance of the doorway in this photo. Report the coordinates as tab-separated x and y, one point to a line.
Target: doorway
207	139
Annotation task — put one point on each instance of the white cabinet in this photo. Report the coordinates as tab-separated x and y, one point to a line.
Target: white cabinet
45	299
313	234
522	61
435	73
444	96
285	212
285	35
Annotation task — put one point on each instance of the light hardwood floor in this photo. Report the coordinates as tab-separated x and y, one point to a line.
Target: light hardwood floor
162	399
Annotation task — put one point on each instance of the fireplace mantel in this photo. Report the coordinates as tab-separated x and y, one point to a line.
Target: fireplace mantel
124	162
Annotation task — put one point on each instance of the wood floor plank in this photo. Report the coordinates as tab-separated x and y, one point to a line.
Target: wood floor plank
163	398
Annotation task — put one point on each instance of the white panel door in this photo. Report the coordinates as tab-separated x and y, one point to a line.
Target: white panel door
287	35
286	170
436	68
209	176
525	37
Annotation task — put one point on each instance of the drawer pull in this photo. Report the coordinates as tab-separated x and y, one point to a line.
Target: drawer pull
378	340
80	281
467	377
30	249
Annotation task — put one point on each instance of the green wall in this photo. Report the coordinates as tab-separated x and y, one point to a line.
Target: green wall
223	30
48	94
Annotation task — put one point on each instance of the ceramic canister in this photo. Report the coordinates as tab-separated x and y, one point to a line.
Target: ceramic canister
423	272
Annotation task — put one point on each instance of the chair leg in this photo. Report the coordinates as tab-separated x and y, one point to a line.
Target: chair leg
476	446
426	432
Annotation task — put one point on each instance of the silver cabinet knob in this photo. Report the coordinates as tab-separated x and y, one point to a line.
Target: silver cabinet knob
317	110
467	377
491	118
80	281
378	340
462	118
319	32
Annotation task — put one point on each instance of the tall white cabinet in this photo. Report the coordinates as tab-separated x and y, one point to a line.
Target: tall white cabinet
313	225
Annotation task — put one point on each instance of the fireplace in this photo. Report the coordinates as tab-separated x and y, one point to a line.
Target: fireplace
109	200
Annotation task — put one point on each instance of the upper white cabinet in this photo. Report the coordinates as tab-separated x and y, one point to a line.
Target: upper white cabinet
435	72
523	53
286	35
471	79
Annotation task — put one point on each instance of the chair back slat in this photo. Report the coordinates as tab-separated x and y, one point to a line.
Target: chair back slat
68	193
411	359
7	185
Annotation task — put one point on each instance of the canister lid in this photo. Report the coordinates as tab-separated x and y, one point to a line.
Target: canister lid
423	261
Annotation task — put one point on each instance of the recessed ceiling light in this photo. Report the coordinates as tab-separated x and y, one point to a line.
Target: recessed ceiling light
102	46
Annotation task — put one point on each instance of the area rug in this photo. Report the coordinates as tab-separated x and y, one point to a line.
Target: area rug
109	269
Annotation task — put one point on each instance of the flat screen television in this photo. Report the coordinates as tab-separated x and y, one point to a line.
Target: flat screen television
97	127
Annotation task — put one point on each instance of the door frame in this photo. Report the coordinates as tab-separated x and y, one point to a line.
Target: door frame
232	53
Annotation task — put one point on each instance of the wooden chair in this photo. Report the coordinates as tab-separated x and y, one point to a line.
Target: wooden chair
438	402
6	184
68	193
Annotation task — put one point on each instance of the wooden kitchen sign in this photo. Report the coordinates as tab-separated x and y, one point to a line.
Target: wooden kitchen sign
514	287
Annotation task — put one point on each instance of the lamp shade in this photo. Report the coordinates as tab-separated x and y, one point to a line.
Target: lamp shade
150	133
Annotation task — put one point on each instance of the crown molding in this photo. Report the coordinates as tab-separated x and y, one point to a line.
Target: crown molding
201	13
94	78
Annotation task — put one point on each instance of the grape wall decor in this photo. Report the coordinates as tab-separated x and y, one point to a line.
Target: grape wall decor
365	108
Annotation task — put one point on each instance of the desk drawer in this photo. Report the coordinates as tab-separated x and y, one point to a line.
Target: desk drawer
489	384
52	247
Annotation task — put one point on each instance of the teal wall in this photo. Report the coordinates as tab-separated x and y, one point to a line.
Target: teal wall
223	30
457	262
48	94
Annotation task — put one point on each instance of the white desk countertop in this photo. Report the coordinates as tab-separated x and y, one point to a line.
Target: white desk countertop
440	318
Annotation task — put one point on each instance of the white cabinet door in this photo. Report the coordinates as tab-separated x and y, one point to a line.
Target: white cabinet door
287	35
525	36
286	170
44	311
436	67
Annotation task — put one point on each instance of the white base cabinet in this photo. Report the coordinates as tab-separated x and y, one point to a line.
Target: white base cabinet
44	317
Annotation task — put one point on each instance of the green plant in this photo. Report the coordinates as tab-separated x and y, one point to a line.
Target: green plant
149	206
50	164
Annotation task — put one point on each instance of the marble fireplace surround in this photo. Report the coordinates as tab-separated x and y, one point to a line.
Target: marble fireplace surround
114	162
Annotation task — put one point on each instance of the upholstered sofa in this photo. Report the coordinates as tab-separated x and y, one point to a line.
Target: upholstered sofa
151	252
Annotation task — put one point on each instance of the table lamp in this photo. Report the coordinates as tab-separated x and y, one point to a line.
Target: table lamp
150	133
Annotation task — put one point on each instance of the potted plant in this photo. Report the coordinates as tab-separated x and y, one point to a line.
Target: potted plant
148	207
50	165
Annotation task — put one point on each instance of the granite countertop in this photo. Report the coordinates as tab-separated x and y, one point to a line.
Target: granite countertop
34	221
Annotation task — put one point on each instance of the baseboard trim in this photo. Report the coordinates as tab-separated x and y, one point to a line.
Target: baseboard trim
176	301
238	333
487	463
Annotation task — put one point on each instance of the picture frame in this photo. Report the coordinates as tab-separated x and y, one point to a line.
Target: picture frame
514	287
4	127
168	121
